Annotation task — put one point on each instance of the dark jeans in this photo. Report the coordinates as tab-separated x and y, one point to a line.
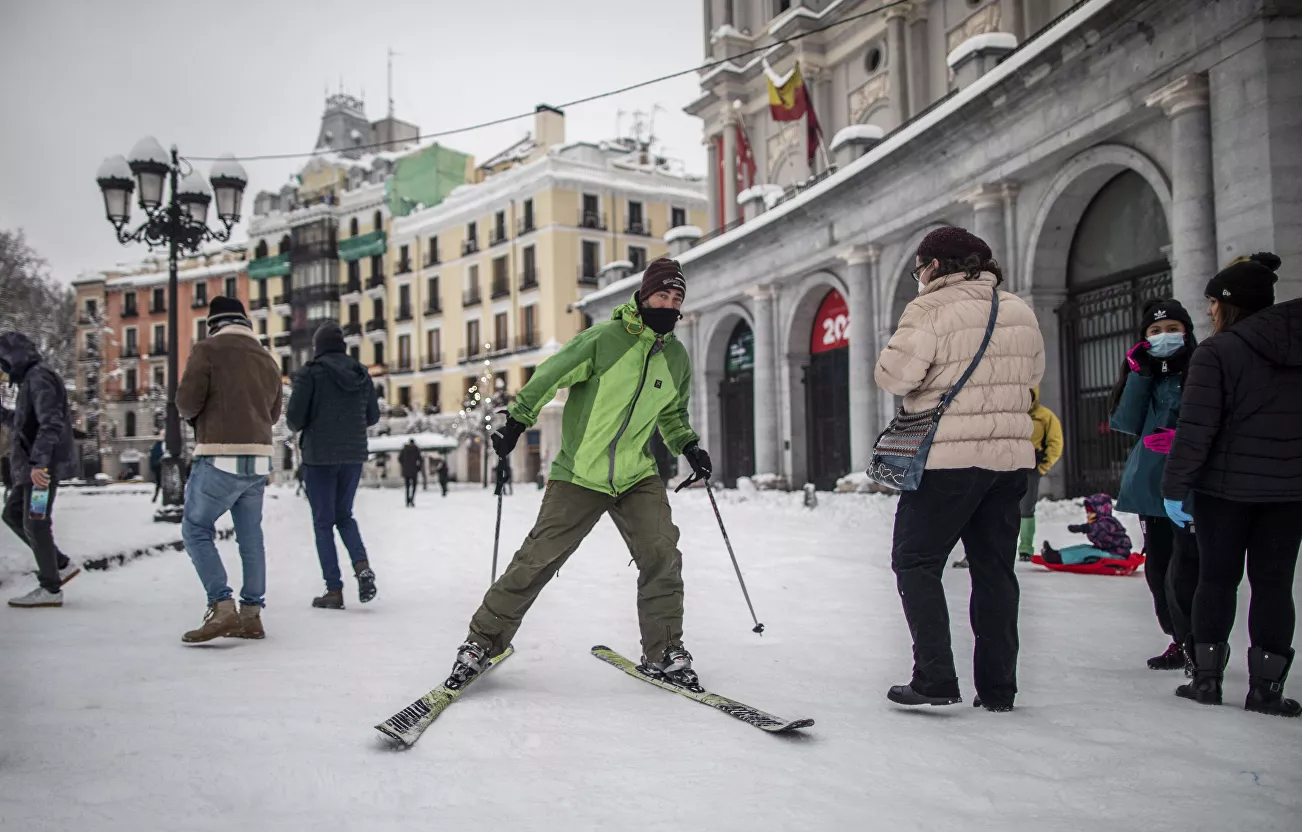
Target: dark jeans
37	534
443	484
409	487
330	492
1171	568
1270	534
979	507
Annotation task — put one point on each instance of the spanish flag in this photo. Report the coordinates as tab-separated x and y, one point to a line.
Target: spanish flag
788	98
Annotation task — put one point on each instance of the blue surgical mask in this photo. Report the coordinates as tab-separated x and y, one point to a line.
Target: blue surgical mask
1165	344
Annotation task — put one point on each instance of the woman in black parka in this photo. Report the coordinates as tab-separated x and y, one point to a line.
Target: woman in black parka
1238	444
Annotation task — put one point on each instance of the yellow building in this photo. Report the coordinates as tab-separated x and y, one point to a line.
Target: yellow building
485	279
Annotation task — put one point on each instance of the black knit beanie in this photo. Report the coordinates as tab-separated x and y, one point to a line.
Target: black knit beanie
1166	309
1248	283
328	338
224	311
662	274
952	243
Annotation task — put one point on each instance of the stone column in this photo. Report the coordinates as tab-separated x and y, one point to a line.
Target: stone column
987	203
919	69
766	388
861	264
1193	207
729	168
1010	259
1045	303
686	333
712	162
897	81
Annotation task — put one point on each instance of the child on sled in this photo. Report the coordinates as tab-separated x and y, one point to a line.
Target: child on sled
1108	538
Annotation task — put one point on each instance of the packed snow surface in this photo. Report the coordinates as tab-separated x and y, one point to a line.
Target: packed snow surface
109	723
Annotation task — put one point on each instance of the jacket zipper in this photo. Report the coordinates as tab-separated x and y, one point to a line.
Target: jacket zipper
641	382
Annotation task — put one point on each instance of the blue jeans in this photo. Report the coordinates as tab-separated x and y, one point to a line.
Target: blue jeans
330	492
210	493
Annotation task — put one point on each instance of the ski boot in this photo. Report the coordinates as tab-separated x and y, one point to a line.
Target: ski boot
471	661
1172	659
1266	674
1209	672
675	668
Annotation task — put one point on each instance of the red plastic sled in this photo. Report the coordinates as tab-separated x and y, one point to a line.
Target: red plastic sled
1106	566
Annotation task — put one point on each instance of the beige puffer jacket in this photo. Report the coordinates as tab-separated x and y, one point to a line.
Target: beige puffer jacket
988	425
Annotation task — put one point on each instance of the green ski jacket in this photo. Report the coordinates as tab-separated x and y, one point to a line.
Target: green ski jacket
624	381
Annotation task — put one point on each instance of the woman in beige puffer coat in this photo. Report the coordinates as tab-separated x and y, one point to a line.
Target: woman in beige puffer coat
976	469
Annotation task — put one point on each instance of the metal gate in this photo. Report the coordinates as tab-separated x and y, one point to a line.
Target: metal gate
1099	323
737	397
827	403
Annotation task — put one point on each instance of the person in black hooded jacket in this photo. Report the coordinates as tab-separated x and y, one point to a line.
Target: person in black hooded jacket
332	404
1238	449
42	453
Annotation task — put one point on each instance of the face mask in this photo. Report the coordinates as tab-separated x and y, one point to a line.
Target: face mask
1165	344
660	321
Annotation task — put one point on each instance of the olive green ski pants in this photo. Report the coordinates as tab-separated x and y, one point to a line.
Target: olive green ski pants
568	513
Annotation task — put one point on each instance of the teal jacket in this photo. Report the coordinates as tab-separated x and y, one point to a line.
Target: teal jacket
1146	404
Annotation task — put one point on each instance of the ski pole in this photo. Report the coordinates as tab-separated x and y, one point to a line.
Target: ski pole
759	628
497	530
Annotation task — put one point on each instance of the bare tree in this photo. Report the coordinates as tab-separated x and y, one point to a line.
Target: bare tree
35	304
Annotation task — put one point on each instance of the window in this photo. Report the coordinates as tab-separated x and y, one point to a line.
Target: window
528	373
262	327
404	264
432	258
637	256
530	276
132	343
354	275
404	302
433	403
92	307
678	216
501	335
404	352
285	324
160	301
591	256
780	6
201	329
499	227
160	378
591	212
129	304
404	396
377	221
636	223
377	266
284	365
434	346
379	352
261	250
528	215
352	227
529	326
131	423
472	286
354	313
200	294
472	339
356	353
377	309
433	301
284	246
160	340
131	386
232	288
501	284
872	60
472	235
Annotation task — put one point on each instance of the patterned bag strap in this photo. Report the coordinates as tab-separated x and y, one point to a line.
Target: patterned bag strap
985	342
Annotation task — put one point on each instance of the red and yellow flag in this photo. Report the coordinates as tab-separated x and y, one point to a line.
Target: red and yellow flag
789	101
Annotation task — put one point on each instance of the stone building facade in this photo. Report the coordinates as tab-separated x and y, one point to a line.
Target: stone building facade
1124	150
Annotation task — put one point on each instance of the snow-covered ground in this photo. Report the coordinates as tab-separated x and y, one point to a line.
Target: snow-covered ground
108	723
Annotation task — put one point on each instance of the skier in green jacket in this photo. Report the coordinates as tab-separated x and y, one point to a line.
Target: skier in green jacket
626	377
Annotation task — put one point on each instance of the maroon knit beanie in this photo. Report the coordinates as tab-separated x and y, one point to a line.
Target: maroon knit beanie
661	275
952	243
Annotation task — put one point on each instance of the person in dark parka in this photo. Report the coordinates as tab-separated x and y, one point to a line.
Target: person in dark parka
1238	449
42	453
333	402
410	461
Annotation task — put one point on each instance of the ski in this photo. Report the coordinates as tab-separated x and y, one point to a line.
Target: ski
731	707
407	725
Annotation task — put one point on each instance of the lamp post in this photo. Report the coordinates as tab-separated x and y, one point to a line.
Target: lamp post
180	224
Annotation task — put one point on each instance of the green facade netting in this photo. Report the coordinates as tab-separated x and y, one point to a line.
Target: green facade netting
277	265
363	245
425	178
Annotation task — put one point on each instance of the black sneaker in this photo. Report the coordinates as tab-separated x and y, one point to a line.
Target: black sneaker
908	695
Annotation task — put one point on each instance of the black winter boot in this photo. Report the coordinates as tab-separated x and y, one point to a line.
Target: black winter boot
1266	674
1209	671
1172	659
915	694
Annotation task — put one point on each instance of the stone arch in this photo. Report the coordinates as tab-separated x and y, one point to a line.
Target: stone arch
1070	192
798	310
893	287
716	329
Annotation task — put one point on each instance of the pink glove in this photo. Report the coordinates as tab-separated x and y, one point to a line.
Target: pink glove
1130	356
1159	442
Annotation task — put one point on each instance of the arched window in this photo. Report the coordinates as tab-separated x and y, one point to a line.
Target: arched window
261	250
131	423
1124	227
352	227
379	221
284	245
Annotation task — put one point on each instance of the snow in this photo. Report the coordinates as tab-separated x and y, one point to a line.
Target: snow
764	192
979	43
227	167
727	30
856	133
149	150
425	441
151	278
194	183
616	265
683	232
114	167
775	79
145	733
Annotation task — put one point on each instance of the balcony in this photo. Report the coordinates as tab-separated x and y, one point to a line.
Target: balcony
376	329
434	307
280	306
375	286
524	226
500	345
469	247
131	351
157	308
404	314
501	288
281	344
198	302
403	365
496	237
432	259
640	228
471	297
432	362
352	333
159	350
128	396
528	279
130	312
591	219
528	340
259	308
467	354
404	267
588	274
352	291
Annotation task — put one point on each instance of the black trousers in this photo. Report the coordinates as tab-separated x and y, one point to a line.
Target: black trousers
979	507
1171	568
1270	534
37	534
409	488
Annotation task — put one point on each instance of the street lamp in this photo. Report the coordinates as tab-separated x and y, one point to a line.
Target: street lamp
181	224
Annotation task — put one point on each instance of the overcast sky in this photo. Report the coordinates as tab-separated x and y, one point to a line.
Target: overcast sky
84	79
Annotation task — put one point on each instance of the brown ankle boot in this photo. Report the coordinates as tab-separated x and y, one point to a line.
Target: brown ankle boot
222	619
251	622
333	599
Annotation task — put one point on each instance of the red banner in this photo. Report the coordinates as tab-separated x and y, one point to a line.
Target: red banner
831	325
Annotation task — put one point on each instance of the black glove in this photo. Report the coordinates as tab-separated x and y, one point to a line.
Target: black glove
1080	528
699	460
505	437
